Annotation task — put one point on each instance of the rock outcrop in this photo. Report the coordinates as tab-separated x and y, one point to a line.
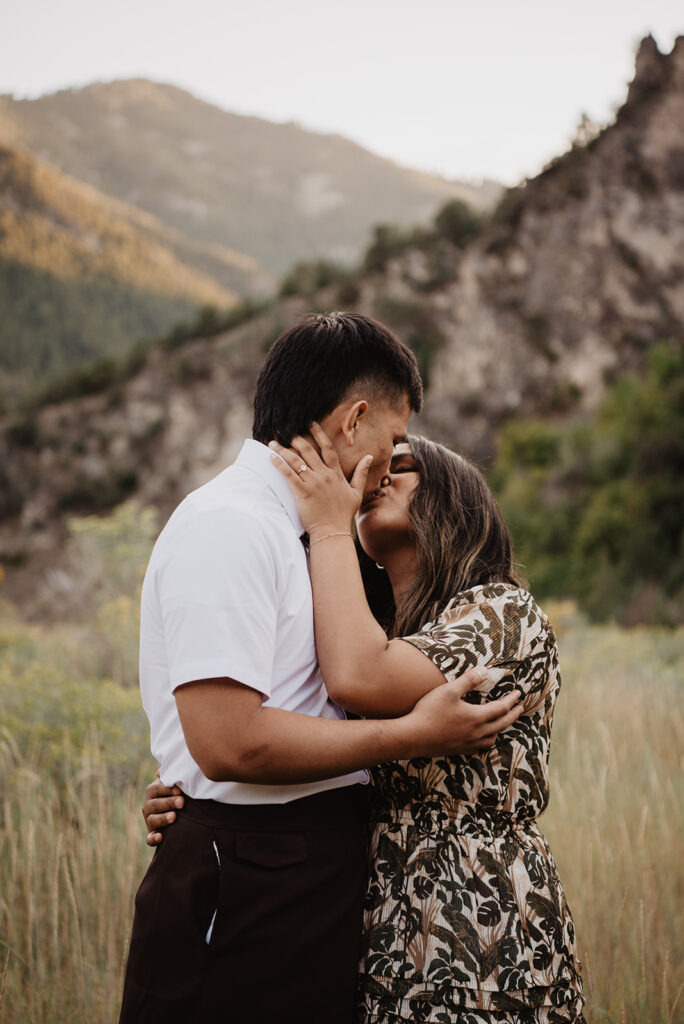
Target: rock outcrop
582	270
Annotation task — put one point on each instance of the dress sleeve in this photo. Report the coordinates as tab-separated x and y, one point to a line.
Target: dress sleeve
498	627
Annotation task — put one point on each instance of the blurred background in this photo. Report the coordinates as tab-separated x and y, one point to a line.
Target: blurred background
504	187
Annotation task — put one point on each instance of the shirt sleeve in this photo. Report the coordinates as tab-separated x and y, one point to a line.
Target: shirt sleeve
501	629
218	597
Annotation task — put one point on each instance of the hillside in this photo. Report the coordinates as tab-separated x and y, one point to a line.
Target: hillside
273	191
536	312
82	275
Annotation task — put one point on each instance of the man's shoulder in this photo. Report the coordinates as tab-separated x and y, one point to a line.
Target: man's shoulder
235	491
236	503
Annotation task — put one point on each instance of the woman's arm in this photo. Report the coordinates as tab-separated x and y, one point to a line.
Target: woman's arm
364	672
370	675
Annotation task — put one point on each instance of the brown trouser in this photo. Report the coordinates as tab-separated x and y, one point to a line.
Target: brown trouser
286	883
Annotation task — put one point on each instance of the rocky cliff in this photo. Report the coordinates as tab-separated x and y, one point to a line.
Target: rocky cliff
581	270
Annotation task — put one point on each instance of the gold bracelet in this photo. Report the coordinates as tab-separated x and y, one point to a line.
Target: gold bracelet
341	533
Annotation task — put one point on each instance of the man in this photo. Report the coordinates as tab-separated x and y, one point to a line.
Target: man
251	908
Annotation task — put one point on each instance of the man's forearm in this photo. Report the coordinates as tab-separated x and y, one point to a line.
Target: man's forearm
234	738
284	747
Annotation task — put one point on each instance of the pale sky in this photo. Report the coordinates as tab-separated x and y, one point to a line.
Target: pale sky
465	88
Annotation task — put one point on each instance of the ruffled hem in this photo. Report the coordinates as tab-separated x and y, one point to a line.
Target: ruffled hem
554	1005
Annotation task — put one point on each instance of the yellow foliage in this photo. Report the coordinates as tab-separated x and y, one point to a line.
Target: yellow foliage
54	223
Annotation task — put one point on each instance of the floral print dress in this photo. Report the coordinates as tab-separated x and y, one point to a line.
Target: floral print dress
465	917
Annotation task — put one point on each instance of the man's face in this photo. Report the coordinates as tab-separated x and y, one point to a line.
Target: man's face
383	425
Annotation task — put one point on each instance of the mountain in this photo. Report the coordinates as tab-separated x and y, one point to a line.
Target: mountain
275	192
537	311
82	274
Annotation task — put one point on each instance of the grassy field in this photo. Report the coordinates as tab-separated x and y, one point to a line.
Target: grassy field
616	818
74	764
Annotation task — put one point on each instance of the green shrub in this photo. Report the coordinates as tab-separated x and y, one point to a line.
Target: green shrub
441	266
87	379
529	443
459	223
71	688
388	242
177	336
50	713
99	493
23	433
596	509
306	278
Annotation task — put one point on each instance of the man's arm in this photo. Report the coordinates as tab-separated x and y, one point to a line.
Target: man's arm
296	751
232	737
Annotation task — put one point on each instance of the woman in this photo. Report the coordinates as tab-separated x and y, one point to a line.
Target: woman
465	917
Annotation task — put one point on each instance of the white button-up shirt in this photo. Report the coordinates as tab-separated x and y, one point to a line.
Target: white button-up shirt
227	593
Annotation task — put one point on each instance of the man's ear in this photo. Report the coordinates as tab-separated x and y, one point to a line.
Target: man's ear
353	416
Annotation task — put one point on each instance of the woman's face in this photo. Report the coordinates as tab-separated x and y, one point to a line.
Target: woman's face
383	521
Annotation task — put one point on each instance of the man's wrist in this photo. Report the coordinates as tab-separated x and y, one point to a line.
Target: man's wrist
401	739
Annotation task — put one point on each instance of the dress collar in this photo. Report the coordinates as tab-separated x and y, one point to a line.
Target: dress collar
257	457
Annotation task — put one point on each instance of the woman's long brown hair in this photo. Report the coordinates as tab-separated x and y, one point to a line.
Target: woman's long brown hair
461	540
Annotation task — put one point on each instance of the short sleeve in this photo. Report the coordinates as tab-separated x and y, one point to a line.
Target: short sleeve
498	627
218	596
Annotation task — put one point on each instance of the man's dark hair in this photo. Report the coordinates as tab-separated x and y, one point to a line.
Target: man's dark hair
314	365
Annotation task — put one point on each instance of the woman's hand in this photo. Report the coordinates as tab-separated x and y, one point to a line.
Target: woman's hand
326	501
159	809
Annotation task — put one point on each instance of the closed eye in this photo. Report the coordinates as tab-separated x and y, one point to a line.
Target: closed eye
403	464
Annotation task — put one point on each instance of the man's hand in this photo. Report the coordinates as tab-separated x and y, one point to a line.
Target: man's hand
159	809
443	723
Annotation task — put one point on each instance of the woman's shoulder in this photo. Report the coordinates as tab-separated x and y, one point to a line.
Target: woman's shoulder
497	595
507	603
492	624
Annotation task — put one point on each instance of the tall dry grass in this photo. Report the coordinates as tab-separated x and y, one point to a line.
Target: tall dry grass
72	848
615	821
71	857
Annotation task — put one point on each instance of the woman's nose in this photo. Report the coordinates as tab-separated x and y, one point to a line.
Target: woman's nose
385	482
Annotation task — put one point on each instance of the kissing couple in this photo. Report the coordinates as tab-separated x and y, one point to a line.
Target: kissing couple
352	731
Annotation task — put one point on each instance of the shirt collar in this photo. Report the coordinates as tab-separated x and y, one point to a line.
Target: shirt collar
257	456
